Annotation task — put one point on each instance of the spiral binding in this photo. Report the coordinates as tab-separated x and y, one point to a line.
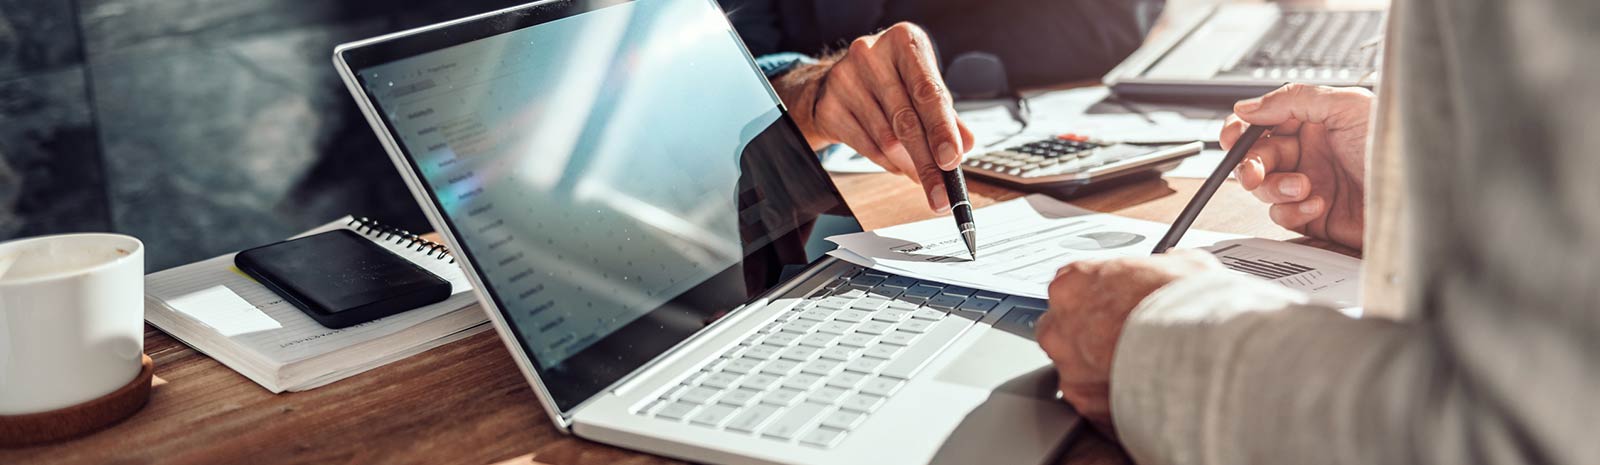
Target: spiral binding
373	228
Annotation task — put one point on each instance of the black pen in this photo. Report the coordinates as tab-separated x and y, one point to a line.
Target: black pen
1191	211
955	185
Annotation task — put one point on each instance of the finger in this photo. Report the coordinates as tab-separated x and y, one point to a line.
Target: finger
849	84
1334	107
851	133
902	116
1268	156
912	55
967	139
1232	128
1295	215
1282	188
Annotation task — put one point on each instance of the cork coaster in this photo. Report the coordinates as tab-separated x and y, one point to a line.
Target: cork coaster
81	419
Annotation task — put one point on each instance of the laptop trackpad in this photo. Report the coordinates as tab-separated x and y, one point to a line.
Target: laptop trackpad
1003	362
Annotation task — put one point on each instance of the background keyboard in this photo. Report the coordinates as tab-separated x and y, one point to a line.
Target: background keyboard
819	370
1317	44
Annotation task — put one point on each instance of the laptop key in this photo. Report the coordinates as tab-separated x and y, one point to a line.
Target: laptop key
846	380
751	419
881	386
850	292
760	381
915	326
891	315
870	303
874	328
927	314
836	328
800	354
867	282
699	395
818	340
884	292
959	291
713	415
802	326
836	302
920	290
822	367
883	351
934	341
780	367
857	340
865	365
899	338
676	411
978	305
789	425
904	305
743	366
839	353
720	380
900	282
803	381
873	273
864	403
738	397
822	437
782	397
828	394
945	301
852	316
843	419
991	295
818	314
763	352
781	339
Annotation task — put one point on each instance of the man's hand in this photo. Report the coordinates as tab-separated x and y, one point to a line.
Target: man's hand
885	98
1089	301
1312	167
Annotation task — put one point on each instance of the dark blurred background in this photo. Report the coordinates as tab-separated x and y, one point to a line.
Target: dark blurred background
208	126
199	126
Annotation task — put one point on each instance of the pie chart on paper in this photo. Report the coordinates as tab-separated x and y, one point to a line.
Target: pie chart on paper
1101	240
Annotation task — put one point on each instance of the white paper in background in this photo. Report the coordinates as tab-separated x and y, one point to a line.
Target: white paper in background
1068	111
1022	242
223	310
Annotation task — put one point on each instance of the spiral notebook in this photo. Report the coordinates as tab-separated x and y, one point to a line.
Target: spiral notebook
218	310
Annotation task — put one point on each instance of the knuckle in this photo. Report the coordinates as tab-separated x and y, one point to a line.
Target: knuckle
929	90
860	45
905	121
929	173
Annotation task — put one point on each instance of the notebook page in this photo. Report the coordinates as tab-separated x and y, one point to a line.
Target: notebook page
297	336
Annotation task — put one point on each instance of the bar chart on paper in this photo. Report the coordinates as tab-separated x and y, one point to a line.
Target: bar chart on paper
1334	278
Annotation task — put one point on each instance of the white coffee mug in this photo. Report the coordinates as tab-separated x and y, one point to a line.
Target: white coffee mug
71	319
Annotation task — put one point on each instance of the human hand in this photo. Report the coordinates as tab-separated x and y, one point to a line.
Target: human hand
1089	302
1311	167
885	98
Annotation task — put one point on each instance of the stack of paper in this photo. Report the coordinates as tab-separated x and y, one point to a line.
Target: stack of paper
220	311
1022	242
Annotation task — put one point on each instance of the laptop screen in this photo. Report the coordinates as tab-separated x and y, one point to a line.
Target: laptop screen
618	174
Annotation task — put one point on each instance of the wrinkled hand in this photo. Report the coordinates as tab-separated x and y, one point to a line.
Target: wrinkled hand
1312	167
885	98
1089	301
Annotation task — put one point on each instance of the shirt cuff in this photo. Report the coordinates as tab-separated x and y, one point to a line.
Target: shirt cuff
775	64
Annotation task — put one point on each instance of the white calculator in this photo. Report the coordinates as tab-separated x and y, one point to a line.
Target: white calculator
1074	162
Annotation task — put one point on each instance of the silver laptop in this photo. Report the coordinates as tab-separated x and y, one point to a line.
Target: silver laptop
1242	50
646	227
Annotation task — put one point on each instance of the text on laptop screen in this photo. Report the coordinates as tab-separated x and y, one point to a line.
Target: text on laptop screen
602	168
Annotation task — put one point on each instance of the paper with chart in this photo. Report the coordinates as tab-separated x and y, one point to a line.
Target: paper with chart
1023	242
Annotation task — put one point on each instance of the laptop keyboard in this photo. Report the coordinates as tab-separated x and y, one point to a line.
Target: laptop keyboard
1304	44
819	370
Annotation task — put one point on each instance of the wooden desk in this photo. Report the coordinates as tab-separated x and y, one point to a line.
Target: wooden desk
466	402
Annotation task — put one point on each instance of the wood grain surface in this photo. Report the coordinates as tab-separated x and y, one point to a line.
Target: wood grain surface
465	402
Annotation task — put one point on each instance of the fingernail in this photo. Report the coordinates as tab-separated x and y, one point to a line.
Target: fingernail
1310	206
1247	106
1290	188
948	155
938	199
